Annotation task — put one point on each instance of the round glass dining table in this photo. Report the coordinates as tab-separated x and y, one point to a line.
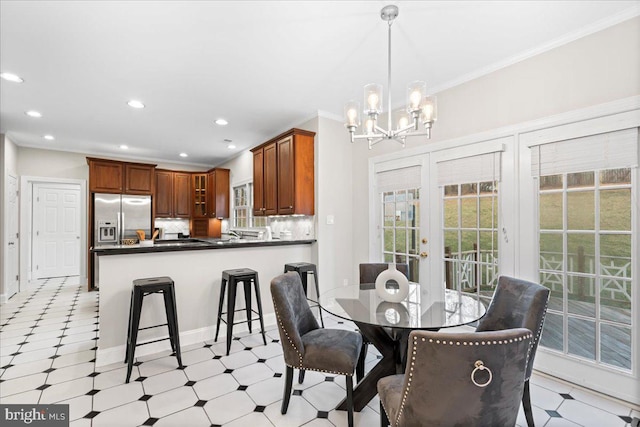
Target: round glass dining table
387	325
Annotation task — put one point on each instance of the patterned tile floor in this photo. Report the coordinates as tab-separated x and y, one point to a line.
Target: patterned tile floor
48	339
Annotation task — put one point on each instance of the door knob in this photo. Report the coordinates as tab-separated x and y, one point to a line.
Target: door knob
11	243
423	254
424	240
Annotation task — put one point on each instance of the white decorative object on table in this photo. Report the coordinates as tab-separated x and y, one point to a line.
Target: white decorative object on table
392	276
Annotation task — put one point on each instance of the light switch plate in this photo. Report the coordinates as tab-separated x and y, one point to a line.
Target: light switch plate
330	219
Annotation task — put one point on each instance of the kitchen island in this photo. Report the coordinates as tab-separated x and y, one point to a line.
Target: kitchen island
196	268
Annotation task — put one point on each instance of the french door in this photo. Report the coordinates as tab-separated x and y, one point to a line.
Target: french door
401	209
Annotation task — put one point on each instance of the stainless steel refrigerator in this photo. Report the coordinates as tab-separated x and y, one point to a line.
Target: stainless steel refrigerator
117	217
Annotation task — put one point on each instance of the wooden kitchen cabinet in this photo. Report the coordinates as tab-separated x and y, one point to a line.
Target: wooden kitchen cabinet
105	176
181	195
139	179
265	184
199	195
218	195
111	176
173	194
283	175
164	194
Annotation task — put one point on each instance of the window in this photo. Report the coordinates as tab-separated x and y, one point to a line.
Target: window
585	233
243	208
470	208
401	229
585	260
471	237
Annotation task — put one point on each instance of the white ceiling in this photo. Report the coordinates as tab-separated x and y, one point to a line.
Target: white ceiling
265	66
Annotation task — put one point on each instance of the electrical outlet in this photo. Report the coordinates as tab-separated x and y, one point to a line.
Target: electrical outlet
345	282
331	220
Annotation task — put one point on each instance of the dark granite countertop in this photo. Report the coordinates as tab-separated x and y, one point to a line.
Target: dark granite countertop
193	245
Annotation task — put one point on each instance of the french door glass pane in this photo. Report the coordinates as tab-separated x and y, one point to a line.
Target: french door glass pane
488	212
615	300
586	261
580	212
615	209
469	217
551	211
554	282
401	229
582	338
580	252
552	335
551	251
615	343
581	295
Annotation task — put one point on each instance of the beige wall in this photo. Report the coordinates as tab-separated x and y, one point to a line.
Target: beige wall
601	67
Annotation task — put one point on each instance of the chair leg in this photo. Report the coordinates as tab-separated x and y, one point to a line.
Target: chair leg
288	382
222	290
231	307
301	376
526	404
350	400
256	287
361	360
176	330
135	324
384	420
315	280
247	301
126	353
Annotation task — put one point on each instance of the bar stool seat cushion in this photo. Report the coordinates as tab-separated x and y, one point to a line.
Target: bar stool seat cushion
331	350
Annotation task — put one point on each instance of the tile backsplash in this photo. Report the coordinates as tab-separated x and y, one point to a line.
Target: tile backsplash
301	227
173	226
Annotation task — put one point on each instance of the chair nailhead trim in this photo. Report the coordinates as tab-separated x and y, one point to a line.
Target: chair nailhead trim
284	331
437	341
538	332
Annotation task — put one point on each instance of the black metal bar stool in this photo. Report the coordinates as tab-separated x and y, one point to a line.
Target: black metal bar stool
230	281
304	269
142	288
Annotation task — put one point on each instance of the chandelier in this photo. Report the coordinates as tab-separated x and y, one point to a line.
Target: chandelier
420	107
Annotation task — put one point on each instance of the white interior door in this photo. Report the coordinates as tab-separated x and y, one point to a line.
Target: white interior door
56	233
12	259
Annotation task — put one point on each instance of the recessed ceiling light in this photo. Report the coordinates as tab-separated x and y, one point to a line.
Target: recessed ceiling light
32	113
231	146
49	137
11	77
184	155
222	122
135	104
124	147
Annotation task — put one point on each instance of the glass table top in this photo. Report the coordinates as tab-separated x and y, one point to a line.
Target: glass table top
419	310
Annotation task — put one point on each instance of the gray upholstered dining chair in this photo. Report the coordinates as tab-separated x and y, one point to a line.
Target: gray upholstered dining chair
458	379
518	304
306	345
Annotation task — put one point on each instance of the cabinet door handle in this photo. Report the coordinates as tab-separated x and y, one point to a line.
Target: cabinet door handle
290	207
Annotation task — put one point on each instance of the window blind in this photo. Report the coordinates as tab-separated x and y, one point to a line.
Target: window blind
603	151
398	179
483	167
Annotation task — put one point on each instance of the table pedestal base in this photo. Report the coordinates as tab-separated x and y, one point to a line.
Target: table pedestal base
392	345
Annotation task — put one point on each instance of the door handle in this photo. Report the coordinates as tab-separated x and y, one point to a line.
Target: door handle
11	243
423	254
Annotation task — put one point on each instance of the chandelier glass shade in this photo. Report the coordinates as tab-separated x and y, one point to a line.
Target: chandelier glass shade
420	108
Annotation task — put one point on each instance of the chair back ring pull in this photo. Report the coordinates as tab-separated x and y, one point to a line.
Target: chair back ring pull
479	366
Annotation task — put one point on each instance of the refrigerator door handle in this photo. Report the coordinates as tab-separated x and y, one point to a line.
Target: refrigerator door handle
121	231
